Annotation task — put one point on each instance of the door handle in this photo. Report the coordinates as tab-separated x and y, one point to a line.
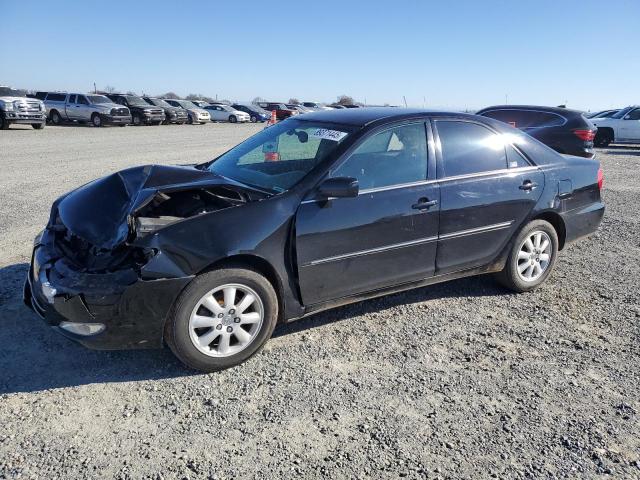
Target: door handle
528	185
424	204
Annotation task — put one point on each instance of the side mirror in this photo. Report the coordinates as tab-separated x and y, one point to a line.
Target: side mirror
339	187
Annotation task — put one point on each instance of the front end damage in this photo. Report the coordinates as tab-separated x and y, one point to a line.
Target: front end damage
99	274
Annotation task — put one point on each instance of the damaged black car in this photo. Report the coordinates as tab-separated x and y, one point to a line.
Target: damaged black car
311	213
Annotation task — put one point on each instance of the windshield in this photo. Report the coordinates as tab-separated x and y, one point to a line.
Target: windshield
280	156
622	112
158	102
186	104
11	92
98	99
136	101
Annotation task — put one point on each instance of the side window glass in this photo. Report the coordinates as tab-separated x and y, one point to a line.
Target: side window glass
634	114
515	158
72	99
82	100
469	148
391	157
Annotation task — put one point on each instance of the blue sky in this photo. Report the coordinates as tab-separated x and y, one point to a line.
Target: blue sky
454	54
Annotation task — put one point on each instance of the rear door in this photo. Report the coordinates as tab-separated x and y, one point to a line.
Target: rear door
387	234
487	190
72	107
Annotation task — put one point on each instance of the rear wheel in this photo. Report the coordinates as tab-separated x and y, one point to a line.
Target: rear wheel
222	318
38	126
603	138
532	257
55	117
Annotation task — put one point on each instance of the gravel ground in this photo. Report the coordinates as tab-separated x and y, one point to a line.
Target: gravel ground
459	380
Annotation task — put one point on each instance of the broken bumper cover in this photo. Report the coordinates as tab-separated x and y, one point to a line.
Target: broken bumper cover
132	310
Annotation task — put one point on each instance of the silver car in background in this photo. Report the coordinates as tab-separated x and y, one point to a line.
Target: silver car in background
85	108
195	113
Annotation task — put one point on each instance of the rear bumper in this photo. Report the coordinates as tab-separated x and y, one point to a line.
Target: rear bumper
132	310
582	221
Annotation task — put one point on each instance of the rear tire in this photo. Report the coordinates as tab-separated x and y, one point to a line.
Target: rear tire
215	346
603	139
55	117
530	263
38	126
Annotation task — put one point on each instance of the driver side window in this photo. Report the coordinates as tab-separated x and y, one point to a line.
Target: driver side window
391	157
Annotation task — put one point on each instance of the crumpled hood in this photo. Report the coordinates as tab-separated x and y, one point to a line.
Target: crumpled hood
99	212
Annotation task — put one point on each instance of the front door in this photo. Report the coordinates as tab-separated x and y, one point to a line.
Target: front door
386	235
487	189
83	109
72	108
630	126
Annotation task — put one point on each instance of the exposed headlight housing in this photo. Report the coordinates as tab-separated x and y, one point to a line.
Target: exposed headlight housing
8	106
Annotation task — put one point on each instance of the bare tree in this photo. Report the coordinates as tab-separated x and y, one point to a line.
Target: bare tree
258	99
194	96
345	100
171	95
131	93
110	89
294	101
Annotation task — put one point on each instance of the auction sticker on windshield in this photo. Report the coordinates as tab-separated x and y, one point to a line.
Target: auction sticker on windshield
326	134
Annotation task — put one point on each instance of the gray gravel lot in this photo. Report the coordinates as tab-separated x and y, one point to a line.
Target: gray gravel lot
459	380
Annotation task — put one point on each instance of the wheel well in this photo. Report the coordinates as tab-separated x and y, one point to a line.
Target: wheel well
605	132
558	224
255	263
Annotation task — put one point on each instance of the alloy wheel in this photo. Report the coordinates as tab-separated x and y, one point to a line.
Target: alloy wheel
534	256
226	320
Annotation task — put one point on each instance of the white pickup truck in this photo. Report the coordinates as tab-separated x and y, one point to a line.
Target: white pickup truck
623	127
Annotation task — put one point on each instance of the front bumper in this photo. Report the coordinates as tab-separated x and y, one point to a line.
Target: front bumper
178	118
132	310
27	118
117	119
153	117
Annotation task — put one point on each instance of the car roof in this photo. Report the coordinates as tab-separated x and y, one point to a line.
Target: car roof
558	110
367	115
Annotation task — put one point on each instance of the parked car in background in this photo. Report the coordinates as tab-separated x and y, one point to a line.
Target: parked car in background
195	114
337	106
226	113
15	107
85	108
315	106
602	114
623	126
298	108
566	131
171	114
256	114
314	212
352	106
282	111
141	112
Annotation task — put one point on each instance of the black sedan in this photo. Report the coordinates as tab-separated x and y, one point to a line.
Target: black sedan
566	131
314	212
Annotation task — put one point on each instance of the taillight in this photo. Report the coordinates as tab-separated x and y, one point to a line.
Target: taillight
586	135
600	179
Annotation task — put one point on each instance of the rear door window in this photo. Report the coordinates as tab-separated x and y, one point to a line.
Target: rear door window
469	148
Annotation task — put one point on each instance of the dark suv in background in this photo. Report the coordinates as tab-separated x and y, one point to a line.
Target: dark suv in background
141	111
171	114
566	131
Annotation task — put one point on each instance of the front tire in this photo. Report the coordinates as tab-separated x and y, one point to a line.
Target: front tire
4	123
38	126
136	120
232	119
222	318
531	258
96	120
